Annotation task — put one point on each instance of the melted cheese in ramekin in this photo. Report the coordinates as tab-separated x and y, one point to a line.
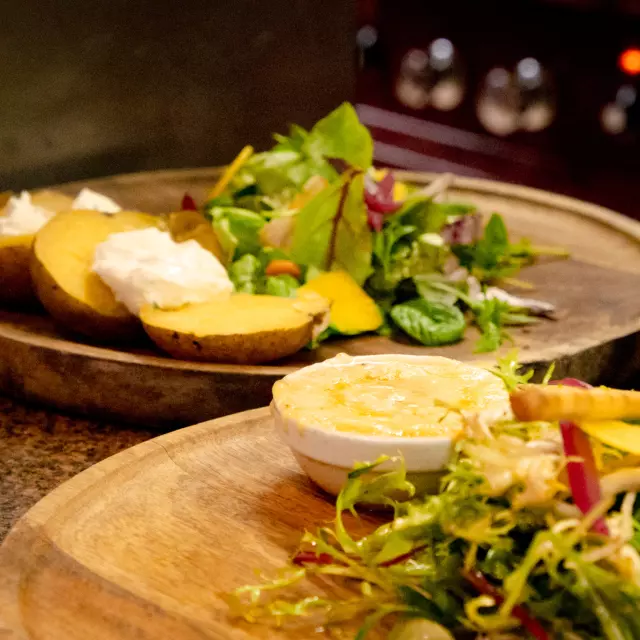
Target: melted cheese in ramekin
398	396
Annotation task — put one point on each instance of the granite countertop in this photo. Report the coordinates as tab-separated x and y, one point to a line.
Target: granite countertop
40	449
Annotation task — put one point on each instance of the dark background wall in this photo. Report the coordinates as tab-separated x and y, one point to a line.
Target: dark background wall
101	87
578	44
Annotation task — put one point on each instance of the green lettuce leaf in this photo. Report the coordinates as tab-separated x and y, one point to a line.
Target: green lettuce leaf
427	216
387	244
341	135
510	371
418	257
407	245
281	172
295	141
435	287
237	229
314	226
283	286
492	336
332	231
353	239
277	172
247	274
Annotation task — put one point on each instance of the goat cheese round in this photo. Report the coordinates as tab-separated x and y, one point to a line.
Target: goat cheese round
22	217
148	267
390	395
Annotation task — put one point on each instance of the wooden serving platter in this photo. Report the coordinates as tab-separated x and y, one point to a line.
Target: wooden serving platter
146	543
595	338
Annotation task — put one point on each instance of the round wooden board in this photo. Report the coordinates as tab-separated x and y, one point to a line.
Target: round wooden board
595	338
146	543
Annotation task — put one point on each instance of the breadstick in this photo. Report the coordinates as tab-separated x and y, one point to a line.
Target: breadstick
551	403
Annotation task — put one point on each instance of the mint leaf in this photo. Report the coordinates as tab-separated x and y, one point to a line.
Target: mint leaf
430	323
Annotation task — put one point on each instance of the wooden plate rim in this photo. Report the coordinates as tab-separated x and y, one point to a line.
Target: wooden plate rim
30	527
596	212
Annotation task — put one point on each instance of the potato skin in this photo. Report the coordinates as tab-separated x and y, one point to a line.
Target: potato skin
249	348
16	289
77	317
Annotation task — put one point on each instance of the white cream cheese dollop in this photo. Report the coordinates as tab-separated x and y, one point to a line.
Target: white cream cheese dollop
148	267
22	217
88	199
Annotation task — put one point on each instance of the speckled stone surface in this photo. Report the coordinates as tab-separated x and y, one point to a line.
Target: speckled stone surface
40	449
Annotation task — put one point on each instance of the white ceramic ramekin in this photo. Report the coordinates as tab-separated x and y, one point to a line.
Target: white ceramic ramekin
328	456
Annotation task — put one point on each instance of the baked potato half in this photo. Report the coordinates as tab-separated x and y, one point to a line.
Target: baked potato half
62	258
16	288
241	329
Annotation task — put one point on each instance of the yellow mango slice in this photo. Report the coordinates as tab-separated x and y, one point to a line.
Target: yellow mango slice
352	310
617	434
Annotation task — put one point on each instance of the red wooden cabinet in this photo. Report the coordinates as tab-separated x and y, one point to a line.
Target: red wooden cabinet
540	93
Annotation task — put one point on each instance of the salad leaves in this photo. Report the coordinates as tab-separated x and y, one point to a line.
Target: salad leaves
316	200
331	233
409	244
283	171
430	323
340	135
501	552
283	285
237	229
494	257
246	274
